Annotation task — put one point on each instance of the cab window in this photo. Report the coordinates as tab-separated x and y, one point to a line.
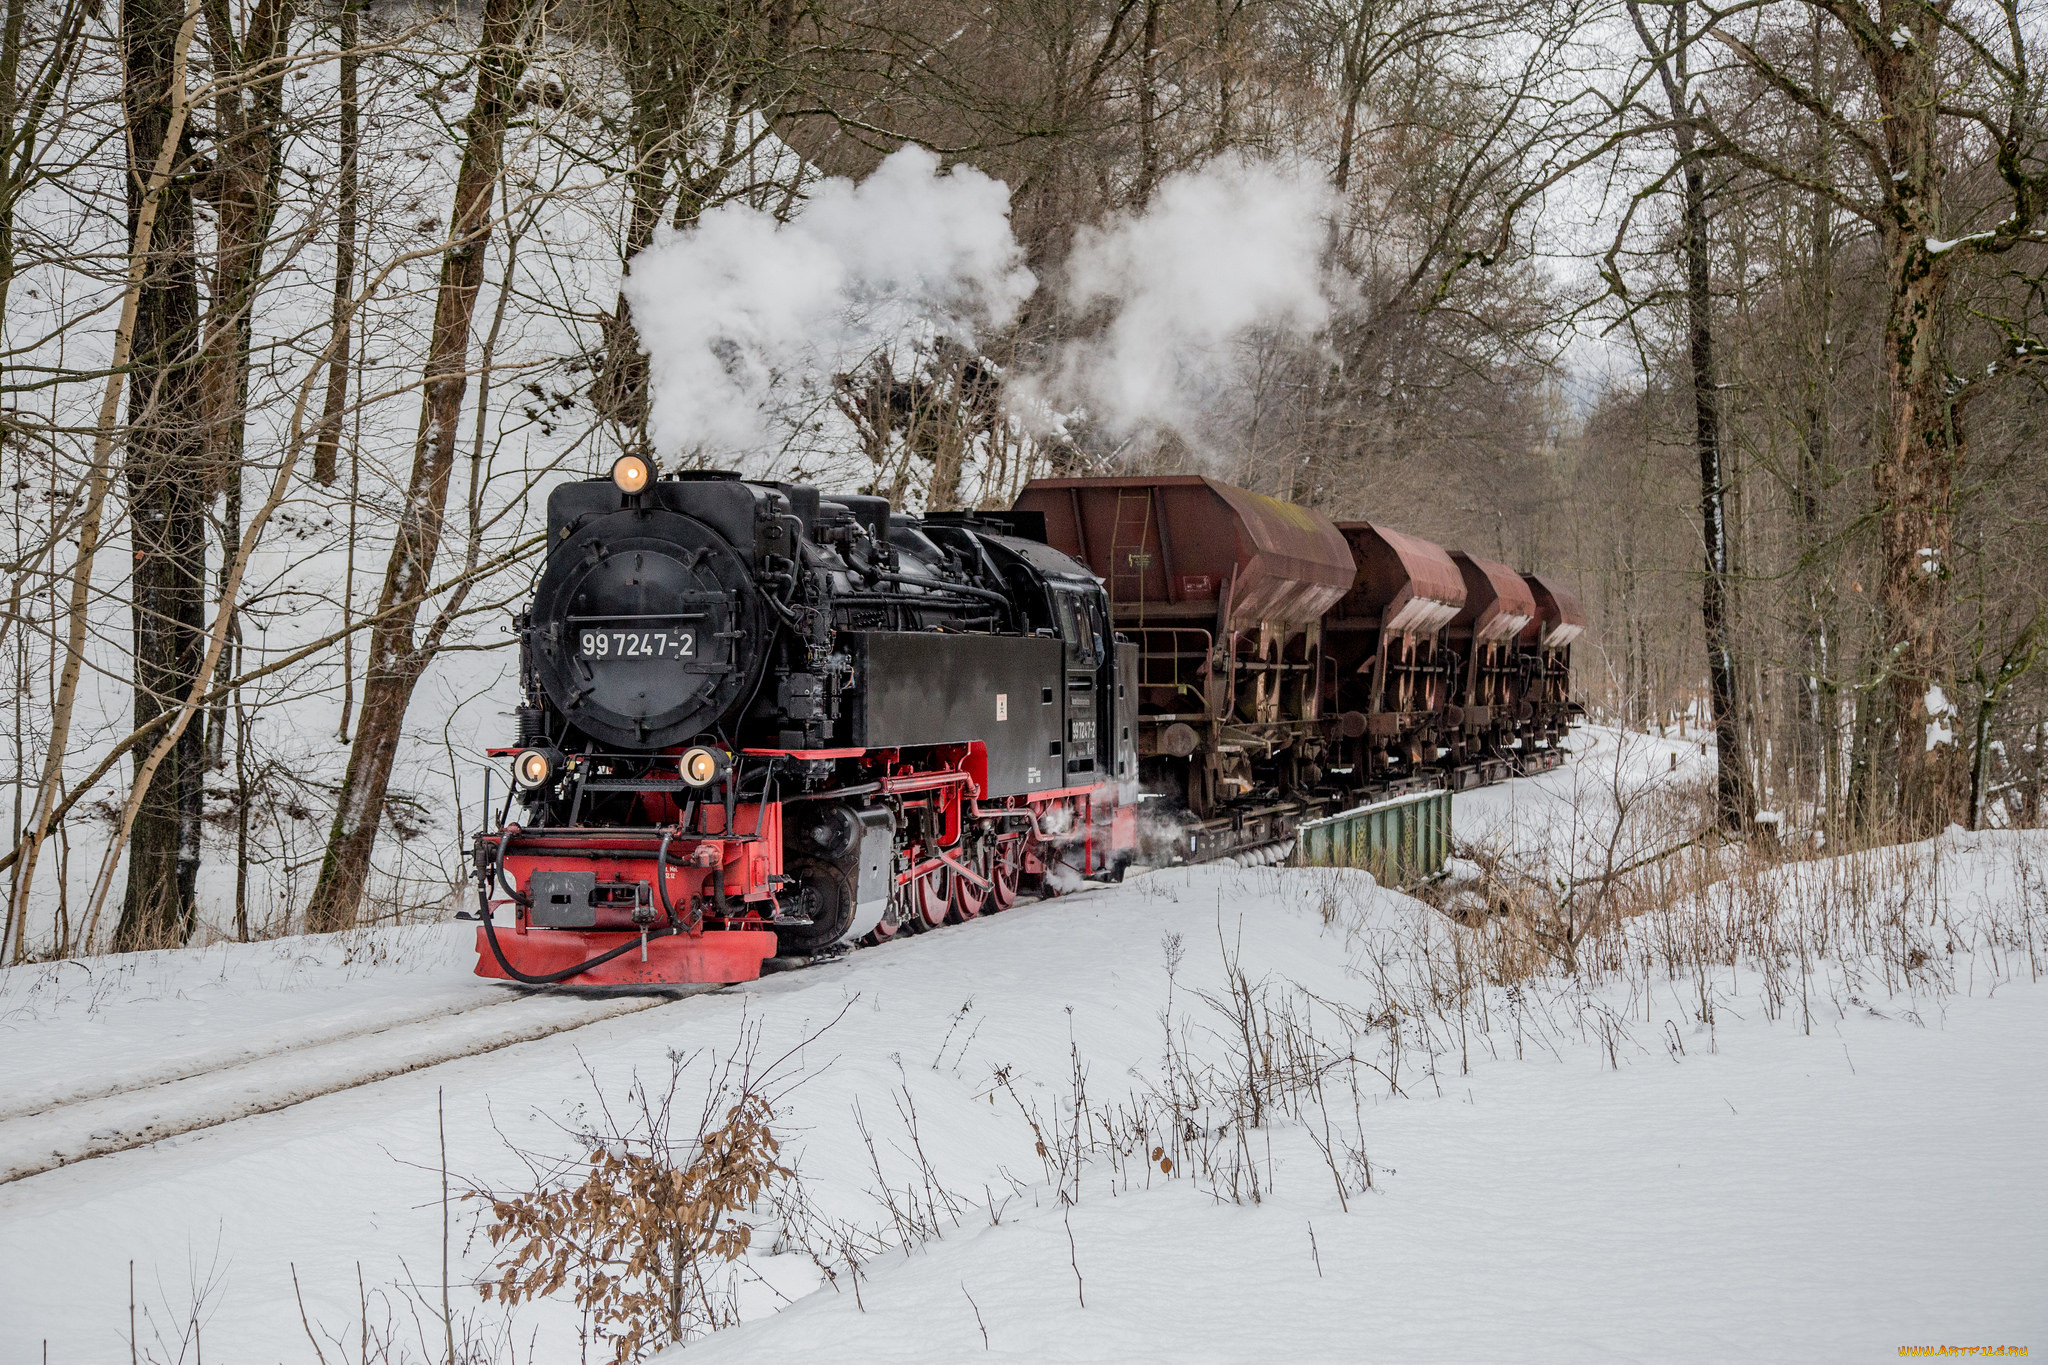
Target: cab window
1080	627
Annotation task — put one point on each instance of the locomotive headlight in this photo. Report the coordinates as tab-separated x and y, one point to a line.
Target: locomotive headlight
702	767
535	767
632	474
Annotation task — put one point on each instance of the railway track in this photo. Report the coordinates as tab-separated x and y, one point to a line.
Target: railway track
48	1129
51	1128
31	1100
60	1132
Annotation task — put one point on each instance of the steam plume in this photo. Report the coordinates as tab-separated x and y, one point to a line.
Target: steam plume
738	310
1222	255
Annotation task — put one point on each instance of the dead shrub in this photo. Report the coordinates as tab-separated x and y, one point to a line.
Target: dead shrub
644	1227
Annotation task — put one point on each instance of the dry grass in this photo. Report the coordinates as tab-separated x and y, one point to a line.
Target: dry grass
1663	906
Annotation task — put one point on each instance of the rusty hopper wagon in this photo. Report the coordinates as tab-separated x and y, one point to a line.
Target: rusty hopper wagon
1287	667
1546	648
1223	591
1488	695
1391	681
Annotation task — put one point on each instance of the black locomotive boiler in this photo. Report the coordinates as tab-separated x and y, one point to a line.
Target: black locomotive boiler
759	719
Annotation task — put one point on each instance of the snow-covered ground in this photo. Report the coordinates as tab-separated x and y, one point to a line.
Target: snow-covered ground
1827	1168
1601	809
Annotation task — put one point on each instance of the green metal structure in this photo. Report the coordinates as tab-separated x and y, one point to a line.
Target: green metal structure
1401	841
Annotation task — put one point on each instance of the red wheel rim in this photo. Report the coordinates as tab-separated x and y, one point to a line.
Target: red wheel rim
932	898
1006	868
968	898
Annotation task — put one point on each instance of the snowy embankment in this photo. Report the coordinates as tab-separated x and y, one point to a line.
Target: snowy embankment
1639	1162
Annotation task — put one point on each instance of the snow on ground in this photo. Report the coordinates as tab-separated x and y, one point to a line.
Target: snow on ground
1571	1169
1822	1198
1600	805
89	1026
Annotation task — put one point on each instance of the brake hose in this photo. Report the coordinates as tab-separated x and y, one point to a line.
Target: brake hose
555	978
668	908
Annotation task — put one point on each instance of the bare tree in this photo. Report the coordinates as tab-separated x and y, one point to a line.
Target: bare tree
39	48
348	135
697	75
396	657
1734	798
1936	90
167	475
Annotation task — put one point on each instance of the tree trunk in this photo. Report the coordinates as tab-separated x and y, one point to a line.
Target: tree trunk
328	442
396	659
2035	755
1734	798
1226	91
1914	472
1819	720
248	109
13	32
620	392
1819	700
1870	744
26	92
944	438
167	476
1914	478
1734	803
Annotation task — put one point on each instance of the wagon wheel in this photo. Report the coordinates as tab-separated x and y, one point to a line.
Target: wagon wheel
931	898
969	899
1006	869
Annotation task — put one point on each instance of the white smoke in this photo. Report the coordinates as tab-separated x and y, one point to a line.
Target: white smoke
740	313
746	320
1222	257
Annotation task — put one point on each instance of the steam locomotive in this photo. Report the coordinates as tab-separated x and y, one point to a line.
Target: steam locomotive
762	721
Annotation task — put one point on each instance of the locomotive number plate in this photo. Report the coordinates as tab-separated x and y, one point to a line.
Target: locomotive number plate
636	644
